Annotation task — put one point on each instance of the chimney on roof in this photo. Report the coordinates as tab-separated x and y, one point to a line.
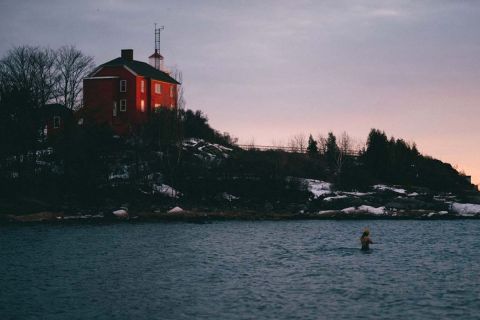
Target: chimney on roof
127	54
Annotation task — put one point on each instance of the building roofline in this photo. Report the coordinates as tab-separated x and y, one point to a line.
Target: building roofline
130	70
139	69
105	77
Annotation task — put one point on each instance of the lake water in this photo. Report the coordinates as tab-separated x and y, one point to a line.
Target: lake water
241	270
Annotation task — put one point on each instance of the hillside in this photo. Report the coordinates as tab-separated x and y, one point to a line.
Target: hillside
90	172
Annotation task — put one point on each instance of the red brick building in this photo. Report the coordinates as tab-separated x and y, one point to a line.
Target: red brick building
123	92
54	119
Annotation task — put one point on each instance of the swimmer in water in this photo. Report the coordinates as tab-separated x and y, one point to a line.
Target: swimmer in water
365	240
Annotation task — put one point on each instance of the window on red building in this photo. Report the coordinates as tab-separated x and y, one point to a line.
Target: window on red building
158	88
56	122
142	86
142	105
123	85
123	105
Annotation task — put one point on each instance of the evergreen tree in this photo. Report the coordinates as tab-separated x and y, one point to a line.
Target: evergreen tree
332	151
312	149
377	153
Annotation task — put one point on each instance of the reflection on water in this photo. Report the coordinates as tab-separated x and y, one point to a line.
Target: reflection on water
241	270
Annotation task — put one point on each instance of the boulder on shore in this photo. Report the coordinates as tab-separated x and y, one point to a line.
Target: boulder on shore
120	213
175	210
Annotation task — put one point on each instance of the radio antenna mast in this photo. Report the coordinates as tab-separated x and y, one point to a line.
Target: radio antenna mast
157	43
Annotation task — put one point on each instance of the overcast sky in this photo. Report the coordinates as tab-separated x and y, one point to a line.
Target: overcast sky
266	70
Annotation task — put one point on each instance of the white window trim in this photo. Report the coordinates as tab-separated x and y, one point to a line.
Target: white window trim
123	85
55	125
142	86
123	105
159	87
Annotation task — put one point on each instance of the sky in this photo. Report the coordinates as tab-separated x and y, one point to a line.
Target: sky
265	71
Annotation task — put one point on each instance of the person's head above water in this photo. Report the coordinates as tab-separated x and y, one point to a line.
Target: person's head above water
366	233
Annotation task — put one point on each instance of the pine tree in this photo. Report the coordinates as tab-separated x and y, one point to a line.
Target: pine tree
377	154
332	151
312	149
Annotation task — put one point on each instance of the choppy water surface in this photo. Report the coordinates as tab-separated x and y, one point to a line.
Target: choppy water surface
241	270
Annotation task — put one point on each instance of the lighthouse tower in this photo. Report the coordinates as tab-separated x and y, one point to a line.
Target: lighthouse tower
156	59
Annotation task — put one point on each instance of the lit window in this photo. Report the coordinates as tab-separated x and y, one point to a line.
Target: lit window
157	107
56	122
142	105
171	91
123	85
158	88
123	105
142	86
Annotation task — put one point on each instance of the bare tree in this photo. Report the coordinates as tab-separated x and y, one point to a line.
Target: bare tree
28	78
345	144
359	145
178	75
250	144
72	66
3	81
181	103
298	143
322	144
344	148
277	144
32	70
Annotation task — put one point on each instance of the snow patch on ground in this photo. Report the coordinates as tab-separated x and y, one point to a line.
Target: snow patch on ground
119	176
368	209
326	212
166	190
383	187
335	198
465	209
120	173
228	197
205	150
357	194
317	187
440	213
349	210
445	197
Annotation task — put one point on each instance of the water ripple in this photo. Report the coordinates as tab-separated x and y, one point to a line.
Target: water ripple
241	270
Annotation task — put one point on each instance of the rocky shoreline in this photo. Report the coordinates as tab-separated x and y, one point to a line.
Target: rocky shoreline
205	217
321	202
